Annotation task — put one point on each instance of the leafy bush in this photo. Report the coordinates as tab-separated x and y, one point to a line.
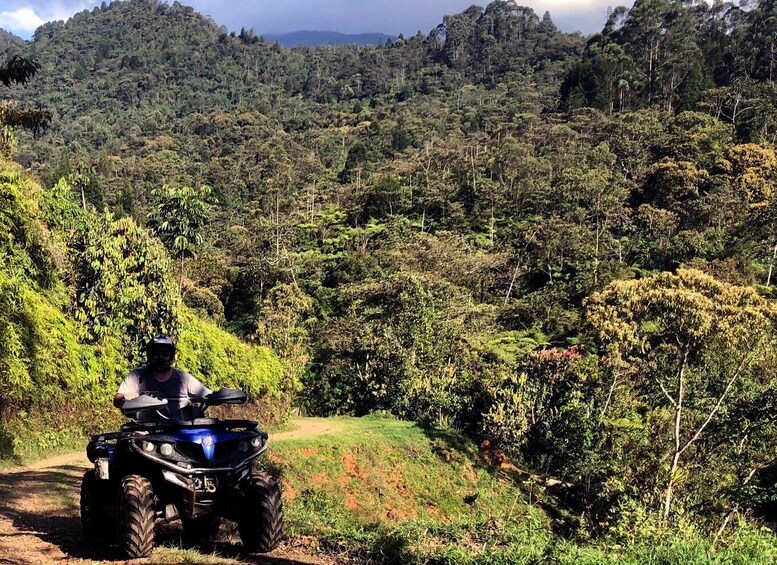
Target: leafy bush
409	345
66	353
123	284
222	360
542	411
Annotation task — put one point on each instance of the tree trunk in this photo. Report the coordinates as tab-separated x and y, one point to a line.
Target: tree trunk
599	232
771	265
678	414
278	226
183	271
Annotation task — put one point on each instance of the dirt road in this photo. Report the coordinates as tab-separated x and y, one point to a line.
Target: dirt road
39	519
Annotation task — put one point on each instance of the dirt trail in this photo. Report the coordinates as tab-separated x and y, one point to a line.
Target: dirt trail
39	518
304	427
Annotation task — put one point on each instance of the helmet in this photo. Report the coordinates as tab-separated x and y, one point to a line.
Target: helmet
160	353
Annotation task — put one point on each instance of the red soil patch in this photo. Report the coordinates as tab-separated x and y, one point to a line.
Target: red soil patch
275	458
308	452
289	493
396	480
433	511
319	480
351	503
396	514
352	468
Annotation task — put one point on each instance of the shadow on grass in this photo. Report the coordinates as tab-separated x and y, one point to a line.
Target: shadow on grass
373	545
558	502
234	551
44	503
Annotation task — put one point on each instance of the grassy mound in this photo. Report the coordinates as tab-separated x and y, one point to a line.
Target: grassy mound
385	491
377	490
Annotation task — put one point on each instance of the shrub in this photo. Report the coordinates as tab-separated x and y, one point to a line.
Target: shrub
65	354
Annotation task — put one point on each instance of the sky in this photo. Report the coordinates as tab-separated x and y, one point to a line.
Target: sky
348	16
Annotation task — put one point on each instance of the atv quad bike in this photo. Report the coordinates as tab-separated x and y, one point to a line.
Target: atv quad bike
198	471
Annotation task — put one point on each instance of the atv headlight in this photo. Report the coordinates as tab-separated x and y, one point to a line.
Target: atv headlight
148	446
166	449
242	447
256	441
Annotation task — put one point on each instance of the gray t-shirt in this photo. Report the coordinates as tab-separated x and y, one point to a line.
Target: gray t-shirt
179	390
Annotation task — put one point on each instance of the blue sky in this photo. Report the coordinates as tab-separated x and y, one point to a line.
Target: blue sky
348	16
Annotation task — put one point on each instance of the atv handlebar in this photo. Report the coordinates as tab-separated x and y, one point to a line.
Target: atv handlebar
147	402
226	396
141	404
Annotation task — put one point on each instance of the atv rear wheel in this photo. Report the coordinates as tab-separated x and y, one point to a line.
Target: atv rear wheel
94	520
261	521
136	516
202	530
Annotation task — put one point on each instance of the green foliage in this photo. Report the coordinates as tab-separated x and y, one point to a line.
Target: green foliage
544	412
690	349
384	491
178	217
285	328
417	228
401	345
42	356
667	55
223	361
19	70
64	349
123	284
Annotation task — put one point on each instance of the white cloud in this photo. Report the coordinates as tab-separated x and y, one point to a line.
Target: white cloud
20	20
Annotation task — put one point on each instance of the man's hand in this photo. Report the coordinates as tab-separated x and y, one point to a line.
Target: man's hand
119	399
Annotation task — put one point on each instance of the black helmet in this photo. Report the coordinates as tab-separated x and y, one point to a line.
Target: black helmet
160	353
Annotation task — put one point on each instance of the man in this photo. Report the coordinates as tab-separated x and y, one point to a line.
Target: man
158	378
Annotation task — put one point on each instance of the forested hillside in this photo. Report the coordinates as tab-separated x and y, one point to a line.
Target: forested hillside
80	292
319	38
564	246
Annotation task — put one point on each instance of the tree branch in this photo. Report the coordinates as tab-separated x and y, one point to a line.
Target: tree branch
719	403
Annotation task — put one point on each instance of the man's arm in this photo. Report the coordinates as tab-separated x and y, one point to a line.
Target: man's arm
195	389
128	389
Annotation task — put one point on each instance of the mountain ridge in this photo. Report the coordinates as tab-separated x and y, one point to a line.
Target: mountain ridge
9	40
316	38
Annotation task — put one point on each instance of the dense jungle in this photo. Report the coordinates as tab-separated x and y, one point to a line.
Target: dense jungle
562	248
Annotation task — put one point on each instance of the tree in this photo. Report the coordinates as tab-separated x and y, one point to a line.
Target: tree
284	325
83	179
547	25
177	219
692	342
597	199
19	70
279	184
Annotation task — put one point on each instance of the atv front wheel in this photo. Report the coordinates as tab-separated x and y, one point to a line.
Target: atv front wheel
136	516
94	519
261	521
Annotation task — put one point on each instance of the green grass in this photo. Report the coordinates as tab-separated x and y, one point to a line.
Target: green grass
380	491
384	491
377	490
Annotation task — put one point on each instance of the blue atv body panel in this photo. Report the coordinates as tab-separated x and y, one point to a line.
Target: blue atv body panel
207	438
